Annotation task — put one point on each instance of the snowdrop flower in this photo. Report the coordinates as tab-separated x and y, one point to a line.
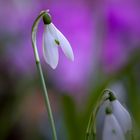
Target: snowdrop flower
121	114
112	129
52	40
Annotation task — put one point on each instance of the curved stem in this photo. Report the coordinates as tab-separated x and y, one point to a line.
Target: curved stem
47	102
91	124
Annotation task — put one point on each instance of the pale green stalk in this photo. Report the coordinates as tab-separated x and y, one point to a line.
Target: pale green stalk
45	93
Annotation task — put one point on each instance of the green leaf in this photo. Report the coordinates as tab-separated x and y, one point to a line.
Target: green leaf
70	118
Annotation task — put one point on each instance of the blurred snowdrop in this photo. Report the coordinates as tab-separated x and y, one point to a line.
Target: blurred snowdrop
52	39
113	121
112	129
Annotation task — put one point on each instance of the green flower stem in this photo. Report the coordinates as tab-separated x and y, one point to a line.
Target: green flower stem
89	132
47	102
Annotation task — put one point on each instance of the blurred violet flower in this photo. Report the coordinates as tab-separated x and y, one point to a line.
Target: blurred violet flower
117	34
114	54
121	19
15	30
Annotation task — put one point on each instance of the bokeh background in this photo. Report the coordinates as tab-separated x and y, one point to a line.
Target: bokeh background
105	37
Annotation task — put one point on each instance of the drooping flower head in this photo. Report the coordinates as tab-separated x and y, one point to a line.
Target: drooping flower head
52	40
113	120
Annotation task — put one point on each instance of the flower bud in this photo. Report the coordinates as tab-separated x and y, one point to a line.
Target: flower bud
47	19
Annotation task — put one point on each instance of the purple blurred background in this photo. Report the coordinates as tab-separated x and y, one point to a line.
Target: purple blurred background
102	33
108	30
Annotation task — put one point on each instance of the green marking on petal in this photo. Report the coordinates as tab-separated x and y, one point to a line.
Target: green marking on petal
113	131
57	42
108	110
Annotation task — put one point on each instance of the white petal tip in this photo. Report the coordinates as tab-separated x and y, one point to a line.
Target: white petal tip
53	67
72	58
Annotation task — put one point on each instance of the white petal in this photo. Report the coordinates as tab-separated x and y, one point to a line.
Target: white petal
122	116
64	43
100	119
53	31
50	49
112	129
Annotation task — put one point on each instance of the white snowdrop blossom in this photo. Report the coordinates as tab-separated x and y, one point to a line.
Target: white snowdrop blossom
112	129
113	121
52	40
122	116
